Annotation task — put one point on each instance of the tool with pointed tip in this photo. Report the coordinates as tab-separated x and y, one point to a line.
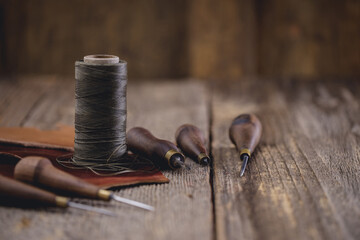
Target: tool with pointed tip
39	170
30	195
142	142
192	142
245	132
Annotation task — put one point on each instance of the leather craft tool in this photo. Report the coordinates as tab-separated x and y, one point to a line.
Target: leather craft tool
245	132
192	142
30	195
39	170
142	142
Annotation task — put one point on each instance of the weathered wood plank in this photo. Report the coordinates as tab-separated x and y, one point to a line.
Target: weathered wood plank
222	39
19	96
202	38
301	38
183	207
303	181
56	106
39	32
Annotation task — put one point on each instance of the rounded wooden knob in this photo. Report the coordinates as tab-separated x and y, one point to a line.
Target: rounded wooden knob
192	142
245	132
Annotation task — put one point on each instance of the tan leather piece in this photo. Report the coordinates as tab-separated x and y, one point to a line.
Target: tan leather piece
57	143
62	137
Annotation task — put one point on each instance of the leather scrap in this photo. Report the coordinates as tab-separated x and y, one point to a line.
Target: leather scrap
52	144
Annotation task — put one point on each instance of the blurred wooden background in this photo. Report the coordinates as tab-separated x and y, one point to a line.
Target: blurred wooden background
184	38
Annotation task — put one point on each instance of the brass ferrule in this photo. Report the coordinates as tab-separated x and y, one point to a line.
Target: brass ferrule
61	201
169	154
104	194
245	151
201	156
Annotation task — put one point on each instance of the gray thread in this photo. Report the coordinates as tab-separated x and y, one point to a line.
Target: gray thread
100	117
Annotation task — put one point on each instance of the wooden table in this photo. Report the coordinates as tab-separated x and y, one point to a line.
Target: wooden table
302	183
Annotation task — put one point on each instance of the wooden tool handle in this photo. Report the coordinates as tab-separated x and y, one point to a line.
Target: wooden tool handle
39	170
191	141
27	194
142	142
245	133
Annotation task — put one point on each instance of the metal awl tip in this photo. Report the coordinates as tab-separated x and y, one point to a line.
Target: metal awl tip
133	203
91	209
243	166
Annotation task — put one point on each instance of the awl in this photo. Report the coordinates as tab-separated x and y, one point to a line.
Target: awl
245	132
192	142
142	142
39	170
30	195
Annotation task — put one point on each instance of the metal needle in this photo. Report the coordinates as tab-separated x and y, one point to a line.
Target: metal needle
132	202
90	208
243	166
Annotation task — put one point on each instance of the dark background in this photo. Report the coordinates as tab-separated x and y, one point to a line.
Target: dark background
187	38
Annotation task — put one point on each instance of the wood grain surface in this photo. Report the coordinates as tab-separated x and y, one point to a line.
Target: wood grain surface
49	36
206	39
301	183
303	180
307	38
183	207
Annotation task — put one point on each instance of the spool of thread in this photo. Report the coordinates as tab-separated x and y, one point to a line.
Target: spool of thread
100	112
